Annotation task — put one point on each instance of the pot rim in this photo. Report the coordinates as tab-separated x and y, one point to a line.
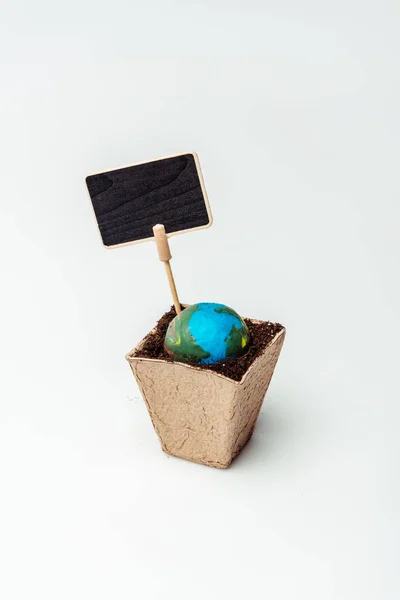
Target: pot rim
130	358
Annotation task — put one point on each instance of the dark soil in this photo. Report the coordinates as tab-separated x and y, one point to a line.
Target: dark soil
261	335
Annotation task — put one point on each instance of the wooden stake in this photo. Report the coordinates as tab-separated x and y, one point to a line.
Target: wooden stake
165	256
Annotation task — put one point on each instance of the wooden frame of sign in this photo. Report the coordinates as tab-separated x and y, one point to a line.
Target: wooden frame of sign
129	201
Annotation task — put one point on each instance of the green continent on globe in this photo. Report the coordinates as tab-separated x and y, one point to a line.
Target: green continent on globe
179	341
206	333
237	340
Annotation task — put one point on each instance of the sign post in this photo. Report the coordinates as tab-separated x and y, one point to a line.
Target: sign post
164	254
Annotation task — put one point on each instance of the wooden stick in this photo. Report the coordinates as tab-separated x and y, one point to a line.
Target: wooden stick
172	286
165	256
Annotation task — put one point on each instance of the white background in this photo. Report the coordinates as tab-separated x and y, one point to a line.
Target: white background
293	108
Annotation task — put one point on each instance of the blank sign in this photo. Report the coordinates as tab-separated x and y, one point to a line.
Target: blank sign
128	202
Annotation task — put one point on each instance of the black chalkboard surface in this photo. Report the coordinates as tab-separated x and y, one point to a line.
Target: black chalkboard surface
128	202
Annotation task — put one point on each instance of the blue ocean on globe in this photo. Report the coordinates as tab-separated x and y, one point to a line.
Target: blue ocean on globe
212	329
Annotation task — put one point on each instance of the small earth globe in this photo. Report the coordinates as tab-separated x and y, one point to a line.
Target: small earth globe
206	333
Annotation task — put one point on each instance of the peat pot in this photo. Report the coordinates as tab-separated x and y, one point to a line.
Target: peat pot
201	415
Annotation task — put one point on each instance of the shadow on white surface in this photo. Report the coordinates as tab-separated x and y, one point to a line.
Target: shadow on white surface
283	436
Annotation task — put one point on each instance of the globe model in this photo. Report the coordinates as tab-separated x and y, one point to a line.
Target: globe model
206	333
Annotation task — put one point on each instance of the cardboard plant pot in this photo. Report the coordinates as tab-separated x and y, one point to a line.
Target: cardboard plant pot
201	415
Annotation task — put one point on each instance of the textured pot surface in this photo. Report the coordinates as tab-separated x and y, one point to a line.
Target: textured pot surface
201	415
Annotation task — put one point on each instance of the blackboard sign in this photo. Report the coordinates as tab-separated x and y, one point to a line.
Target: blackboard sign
128	202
